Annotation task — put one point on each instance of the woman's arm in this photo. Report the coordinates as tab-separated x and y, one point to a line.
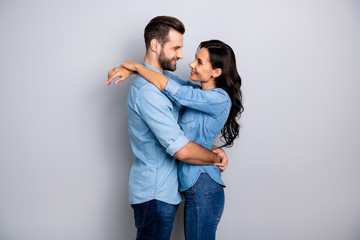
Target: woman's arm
210	102
155	78
120	72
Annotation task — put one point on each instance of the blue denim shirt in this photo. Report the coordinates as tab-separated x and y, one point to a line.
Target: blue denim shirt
205	114
155	137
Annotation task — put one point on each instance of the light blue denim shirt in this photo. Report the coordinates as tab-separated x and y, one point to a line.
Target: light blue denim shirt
205	114
155	137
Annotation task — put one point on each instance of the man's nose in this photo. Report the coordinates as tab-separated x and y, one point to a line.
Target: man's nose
180	55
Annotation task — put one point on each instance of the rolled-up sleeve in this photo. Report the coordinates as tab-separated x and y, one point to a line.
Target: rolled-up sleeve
156	110
171	88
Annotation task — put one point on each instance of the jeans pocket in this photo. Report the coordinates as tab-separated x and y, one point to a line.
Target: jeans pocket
216	199
140	211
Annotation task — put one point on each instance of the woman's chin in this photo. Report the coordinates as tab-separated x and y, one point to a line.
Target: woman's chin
193	78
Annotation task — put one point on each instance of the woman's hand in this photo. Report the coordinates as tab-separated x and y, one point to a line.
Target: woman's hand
120	72
130	65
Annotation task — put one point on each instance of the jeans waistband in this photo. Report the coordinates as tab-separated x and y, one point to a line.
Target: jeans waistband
203	178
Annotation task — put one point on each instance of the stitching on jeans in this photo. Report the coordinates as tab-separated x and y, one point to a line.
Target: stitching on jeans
195	197
208	196
203	183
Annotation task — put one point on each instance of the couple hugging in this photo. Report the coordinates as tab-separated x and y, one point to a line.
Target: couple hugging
172	126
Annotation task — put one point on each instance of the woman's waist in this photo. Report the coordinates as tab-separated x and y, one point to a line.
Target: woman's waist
189	174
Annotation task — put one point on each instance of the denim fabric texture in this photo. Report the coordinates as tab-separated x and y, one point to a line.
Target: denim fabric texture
204	205
205	114
154	136
154	220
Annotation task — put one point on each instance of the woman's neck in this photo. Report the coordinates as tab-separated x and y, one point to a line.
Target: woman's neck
208	85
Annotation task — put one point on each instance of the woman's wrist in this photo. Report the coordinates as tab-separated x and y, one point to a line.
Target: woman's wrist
137	67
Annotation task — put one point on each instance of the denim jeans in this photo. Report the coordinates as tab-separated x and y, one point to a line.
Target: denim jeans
154	220
204	205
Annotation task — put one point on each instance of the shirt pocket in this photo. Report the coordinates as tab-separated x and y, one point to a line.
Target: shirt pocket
187	116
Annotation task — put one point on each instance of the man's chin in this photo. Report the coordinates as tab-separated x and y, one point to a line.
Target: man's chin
169	66
172	68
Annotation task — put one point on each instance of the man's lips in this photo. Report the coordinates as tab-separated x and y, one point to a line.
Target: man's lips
174	61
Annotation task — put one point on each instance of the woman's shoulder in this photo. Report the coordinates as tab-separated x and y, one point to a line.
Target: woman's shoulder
221	92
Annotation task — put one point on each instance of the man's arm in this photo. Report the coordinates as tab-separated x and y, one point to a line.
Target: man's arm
191	153
156	110
196	154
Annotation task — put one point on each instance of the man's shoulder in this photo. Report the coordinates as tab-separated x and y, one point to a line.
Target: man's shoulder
145	91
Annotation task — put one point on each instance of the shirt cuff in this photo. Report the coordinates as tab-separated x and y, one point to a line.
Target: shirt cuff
178	144
171	87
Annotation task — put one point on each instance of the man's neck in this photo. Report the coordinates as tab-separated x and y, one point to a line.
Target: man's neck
153	62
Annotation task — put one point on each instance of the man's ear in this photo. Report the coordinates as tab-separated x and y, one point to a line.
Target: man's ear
217	72
155	45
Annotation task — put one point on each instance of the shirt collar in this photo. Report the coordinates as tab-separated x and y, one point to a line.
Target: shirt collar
151	67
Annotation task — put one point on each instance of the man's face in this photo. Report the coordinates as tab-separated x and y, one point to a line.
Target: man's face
171	51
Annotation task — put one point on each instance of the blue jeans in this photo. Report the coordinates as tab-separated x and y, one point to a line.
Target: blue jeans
204	205
154	220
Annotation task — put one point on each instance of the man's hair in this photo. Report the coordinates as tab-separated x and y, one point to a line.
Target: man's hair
158	28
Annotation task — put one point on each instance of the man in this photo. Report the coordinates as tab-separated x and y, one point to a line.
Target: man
155	135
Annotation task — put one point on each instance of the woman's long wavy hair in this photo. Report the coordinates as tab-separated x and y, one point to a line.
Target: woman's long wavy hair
222	56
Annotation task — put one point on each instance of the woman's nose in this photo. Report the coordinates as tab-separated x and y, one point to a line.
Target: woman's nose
191	64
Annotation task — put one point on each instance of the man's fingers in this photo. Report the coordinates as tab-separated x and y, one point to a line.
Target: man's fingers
220	166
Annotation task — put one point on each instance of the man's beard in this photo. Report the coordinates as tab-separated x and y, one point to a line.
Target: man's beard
166	63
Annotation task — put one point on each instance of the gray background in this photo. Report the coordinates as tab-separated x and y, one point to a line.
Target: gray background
65	156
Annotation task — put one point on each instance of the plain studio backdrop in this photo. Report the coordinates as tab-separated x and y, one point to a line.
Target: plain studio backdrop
294	173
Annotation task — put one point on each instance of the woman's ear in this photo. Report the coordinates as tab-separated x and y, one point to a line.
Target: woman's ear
217	72
155	45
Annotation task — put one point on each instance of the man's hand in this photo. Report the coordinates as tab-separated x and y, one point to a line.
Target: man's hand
224	160
120	72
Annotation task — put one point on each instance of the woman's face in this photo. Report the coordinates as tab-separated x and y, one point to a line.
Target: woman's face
201	69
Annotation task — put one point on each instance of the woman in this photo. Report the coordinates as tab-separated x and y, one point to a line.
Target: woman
208	111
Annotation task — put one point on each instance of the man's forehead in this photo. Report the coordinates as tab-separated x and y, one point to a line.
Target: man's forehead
175	38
